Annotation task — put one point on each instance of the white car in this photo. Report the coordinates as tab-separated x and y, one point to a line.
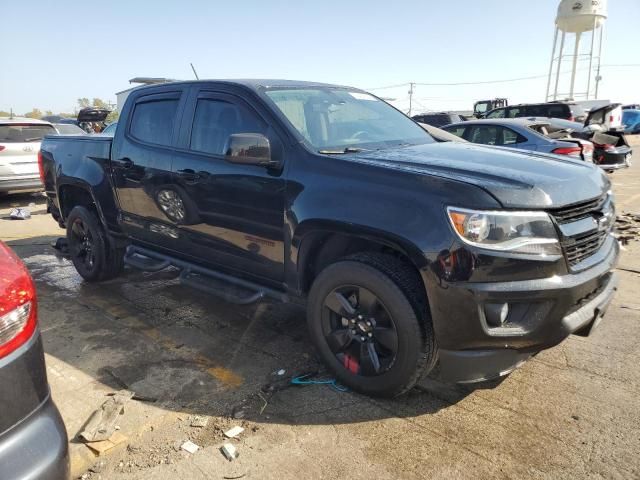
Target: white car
19	145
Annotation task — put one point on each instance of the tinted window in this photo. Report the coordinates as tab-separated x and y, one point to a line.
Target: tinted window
514	112
558	111
24	133
153	121
494	135
216	120
458	131
438	120
497	113
509	137
484	134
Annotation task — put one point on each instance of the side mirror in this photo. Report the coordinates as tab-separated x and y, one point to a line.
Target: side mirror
249	149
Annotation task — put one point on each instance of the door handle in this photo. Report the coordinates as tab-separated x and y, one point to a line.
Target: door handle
125	162
191	175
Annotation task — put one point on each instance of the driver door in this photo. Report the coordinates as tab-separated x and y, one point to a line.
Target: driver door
234	213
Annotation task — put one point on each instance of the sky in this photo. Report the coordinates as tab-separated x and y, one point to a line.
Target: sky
69	49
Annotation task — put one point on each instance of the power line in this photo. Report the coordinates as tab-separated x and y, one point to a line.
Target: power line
485	82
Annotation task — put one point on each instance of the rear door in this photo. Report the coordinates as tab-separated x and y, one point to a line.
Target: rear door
233	214
141	162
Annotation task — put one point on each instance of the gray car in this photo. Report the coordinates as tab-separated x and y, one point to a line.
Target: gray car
19	145
33	440
521	133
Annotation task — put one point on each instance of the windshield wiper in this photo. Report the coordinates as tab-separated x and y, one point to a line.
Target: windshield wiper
32	139
345	150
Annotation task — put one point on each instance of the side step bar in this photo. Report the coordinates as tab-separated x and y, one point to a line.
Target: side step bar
226	287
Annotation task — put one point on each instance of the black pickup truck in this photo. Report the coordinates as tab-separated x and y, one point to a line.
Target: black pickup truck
408	252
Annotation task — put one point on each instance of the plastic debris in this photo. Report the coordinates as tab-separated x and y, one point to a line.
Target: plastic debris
199	421
190	447
101	425
229	451
233	432
20	214
281	372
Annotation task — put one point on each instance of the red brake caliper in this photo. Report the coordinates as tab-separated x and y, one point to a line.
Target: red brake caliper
351	364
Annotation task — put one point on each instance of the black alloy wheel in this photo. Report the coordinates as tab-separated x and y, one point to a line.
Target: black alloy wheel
359	330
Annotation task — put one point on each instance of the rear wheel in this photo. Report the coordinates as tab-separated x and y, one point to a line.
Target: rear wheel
90	248
371	325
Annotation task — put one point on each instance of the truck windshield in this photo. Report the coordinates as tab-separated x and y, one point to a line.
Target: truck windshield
336	120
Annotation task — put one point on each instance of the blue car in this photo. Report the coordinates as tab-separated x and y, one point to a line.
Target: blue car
631	120
521	133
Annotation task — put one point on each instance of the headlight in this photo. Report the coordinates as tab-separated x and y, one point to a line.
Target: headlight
530	233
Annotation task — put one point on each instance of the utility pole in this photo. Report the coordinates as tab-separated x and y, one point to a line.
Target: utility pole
410	96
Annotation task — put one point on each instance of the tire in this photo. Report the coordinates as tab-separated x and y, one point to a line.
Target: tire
401	308
91	250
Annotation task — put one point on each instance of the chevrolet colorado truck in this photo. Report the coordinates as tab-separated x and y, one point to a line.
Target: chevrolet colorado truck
408	253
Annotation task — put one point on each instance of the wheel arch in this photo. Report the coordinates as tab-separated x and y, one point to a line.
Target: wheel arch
320	243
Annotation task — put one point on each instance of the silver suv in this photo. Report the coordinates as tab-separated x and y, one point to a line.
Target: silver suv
19	145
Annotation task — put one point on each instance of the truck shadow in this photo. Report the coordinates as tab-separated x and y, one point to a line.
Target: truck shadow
189	352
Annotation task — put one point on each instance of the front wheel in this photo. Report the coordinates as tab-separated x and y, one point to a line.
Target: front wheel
369	325
90	248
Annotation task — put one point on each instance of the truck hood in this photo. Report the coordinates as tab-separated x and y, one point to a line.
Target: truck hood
517	179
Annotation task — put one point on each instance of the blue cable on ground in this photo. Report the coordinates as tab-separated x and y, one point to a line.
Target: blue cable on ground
304	380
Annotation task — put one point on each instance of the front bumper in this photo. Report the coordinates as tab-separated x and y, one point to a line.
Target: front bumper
37	448
542	313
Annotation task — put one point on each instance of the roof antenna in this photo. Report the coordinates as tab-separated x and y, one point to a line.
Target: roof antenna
194	71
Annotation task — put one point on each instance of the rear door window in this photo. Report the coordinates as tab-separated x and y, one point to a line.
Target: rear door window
509	137
458	131
154	121
24	133
497	113
484	134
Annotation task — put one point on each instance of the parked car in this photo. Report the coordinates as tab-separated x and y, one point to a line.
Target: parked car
33	440
68	129
611	151
567	110
631	106
407	252
19	144
483	106
440	135
89	119
110	129
438	119
520	133
631	121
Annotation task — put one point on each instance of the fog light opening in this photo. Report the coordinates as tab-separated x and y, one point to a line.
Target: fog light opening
496	314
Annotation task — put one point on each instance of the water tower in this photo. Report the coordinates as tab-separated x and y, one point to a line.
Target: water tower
574	18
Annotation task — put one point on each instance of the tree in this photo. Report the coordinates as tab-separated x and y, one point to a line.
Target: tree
48	112
99	103
4	114
35	113
84	102
112	117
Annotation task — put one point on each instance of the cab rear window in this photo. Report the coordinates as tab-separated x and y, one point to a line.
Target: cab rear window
21	133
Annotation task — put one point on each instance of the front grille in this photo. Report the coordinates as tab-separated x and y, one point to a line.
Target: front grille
578	211
582	247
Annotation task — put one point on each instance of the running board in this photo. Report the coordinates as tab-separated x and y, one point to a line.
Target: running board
226	287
